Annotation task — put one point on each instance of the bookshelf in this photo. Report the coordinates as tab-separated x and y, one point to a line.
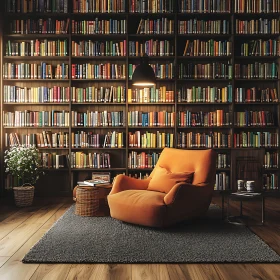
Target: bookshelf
66	84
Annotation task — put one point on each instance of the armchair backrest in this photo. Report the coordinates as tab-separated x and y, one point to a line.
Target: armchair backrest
201	162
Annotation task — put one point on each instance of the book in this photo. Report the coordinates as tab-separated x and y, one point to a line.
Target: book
96	183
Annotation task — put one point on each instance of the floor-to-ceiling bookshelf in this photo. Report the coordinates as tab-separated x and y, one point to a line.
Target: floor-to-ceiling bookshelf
201	100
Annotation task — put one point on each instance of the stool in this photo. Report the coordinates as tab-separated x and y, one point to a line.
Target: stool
87	201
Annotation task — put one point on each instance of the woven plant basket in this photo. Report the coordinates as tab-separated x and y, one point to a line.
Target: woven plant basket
87	201
24	195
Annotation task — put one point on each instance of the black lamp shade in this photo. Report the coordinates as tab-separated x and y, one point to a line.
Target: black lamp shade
144	75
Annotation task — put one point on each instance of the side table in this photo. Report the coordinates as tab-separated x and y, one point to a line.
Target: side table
242	197
101	205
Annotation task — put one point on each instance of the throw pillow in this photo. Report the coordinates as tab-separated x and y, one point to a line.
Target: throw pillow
164	180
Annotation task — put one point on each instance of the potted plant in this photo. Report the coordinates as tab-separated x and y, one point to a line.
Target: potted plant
23	163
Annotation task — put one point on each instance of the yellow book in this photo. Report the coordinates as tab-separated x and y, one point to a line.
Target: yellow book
163	140
129	95
171	140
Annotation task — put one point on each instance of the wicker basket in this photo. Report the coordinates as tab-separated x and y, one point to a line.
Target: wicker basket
24	195
87	201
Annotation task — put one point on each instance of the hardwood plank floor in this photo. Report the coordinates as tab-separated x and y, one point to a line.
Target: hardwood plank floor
21	228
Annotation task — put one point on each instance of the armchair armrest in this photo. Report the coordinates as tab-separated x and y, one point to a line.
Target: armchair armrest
123	182
186	192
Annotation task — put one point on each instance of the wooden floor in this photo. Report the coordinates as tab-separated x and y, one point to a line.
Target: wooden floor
20	229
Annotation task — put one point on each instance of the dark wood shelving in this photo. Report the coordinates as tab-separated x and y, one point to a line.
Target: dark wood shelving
151	103
97	169
37	103
37	80
205	57
35	127
97	127
98	57
98	103
203	103
92	148
40	58
119	155
205	127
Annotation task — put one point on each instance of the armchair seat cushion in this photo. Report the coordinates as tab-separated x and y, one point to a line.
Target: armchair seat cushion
138	206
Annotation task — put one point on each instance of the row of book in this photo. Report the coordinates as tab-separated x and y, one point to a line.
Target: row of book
147	139
223	161
205	94
151	48
253	6
215	70
37	48
99	26
203	140
150	95
114	139
44	139
99	48
117	94
151	119
98	6
142	160
119	26
28	118
111	94
98	71
202	26
203	119
151	6
204	6
260	48
187	118
33	71
55	94
257	26
271	160
270	181
254	118
207	48
256	95
39	26
162	71
98	119
89	139
54	160
257	70
90	160
256	139
156	26
222	181
32	6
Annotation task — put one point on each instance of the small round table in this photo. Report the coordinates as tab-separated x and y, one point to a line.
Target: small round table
241	197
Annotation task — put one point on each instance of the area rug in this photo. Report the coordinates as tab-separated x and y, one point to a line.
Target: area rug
76	239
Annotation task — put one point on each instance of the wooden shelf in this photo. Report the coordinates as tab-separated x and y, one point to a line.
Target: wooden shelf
35	58
97	169
37	103
178	41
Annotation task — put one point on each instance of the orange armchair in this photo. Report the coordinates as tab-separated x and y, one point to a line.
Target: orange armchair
131	200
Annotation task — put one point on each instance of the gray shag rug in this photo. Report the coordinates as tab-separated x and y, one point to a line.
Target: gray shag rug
76	239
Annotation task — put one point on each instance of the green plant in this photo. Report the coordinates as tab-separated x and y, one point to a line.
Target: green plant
23	163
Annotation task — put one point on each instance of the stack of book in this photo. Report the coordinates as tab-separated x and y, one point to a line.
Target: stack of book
93	183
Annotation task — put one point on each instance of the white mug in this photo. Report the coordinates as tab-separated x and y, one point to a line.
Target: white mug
250	186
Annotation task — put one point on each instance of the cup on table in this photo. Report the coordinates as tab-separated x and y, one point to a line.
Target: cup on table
240	185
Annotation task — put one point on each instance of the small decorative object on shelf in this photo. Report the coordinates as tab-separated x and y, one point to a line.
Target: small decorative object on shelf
23	163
